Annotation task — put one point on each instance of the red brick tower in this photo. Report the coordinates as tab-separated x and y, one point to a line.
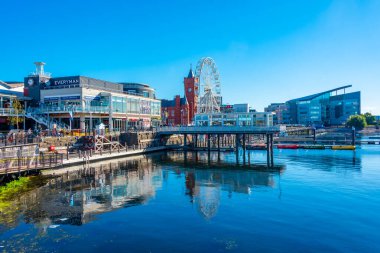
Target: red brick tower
191	91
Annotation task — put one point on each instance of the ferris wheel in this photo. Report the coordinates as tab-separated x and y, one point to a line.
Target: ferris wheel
208	82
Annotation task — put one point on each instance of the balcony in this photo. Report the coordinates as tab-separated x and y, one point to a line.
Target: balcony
10	112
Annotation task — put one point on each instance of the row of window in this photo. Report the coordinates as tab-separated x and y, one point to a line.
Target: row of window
130	105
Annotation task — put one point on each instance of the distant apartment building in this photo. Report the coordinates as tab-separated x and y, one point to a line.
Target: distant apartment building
241	107
324	108
277	109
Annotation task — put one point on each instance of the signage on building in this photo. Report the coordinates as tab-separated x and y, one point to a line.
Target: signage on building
64	81
92	97
47	99
56	98
72	97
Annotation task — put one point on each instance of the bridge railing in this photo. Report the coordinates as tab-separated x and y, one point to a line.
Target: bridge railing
221	129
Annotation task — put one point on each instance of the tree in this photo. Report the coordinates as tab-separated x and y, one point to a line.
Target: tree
371	120
17	107
357	121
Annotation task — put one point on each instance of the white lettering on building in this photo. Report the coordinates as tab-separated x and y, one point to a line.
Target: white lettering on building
66	82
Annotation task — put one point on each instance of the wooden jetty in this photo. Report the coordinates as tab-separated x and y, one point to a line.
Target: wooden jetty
223	136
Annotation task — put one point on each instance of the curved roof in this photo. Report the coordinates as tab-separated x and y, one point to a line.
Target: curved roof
311	97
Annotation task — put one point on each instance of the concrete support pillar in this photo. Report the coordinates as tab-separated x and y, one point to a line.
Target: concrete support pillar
218	136
237	147
195	140
185	140
271	150
208	142
82	123
91	124
268	150
243	148
25	108
110	115
110	120
218	141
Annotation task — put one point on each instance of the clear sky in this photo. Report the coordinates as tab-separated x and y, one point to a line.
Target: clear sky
266	51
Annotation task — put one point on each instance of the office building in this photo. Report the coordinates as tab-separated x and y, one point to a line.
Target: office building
324	108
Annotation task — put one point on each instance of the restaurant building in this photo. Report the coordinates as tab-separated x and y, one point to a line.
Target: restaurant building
81	102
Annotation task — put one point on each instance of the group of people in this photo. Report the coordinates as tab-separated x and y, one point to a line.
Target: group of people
18	136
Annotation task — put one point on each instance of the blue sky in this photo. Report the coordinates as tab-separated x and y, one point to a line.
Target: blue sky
266	51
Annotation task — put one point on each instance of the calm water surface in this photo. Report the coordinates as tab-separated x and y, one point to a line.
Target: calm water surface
314	201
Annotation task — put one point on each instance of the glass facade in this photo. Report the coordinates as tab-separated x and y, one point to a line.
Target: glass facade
320	109
234	119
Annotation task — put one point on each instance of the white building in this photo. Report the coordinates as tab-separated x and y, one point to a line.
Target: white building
234	119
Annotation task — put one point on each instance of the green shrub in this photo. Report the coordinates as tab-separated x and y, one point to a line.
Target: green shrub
357	121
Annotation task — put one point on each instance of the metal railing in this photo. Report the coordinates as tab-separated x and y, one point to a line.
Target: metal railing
85	109
41	117
18	164
220	129
11	112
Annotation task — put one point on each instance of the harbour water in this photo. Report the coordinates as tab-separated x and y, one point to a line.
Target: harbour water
313	201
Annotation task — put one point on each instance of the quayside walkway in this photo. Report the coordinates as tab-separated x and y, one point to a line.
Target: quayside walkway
88	157
17	159
20	160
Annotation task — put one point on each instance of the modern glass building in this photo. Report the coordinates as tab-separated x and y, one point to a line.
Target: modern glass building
325	108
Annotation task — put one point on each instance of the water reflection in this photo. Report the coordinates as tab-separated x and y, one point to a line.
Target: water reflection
78	197
208	174
326	160
204	187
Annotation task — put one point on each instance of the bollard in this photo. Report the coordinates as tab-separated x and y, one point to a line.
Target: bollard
353	136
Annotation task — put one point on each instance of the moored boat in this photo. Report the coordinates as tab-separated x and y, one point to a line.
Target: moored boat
313	147
256	147
288	146
343	147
